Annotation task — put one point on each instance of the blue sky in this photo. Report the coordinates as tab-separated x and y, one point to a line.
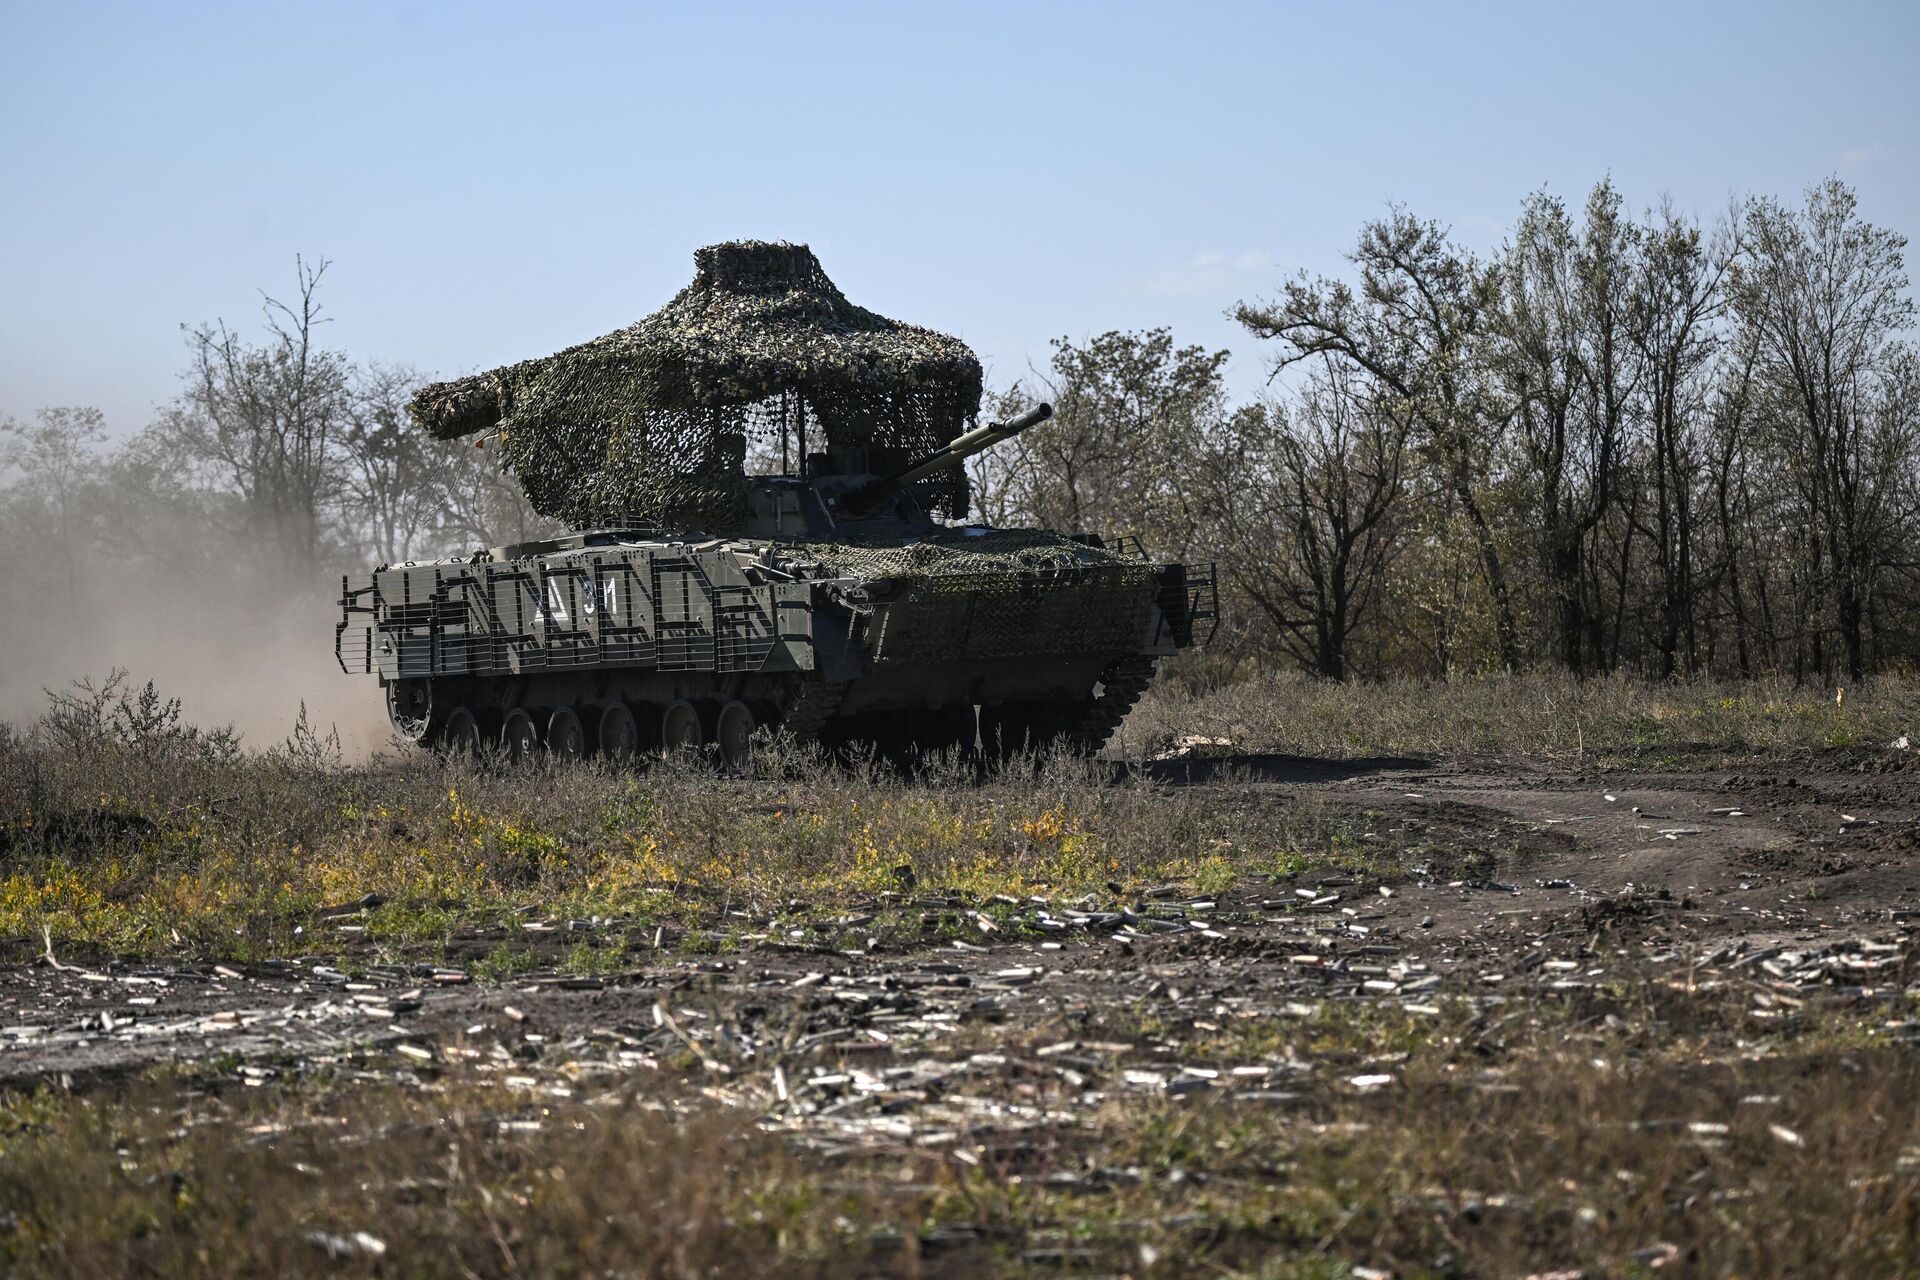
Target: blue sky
496	181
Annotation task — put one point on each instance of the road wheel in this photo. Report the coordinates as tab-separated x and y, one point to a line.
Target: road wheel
410	708
733	733
566	736
680	727
462	734
520	735
619	732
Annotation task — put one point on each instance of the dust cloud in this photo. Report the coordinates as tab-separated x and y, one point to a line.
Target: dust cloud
237	644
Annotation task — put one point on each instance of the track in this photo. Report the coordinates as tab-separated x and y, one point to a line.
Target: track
1126	681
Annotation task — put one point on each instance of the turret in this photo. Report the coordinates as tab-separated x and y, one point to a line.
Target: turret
826	504
872	494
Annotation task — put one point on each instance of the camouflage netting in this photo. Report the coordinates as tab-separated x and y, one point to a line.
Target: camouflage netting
996	594
648	425
965	552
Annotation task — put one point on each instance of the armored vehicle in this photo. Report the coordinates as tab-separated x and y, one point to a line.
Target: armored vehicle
698	603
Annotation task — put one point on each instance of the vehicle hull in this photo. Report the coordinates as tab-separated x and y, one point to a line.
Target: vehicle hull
600	619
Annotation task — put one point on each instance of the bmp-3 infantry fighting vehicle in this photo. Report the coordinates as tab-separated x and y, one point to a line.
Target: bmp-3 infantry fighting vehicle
698	603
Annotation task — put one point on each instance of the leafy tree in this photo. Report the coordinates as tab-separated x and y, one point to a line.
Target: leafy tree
1417	328
1127	406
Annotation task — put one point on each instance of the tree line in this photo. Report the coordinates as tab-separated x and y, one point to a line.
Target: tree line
1619	442
278	458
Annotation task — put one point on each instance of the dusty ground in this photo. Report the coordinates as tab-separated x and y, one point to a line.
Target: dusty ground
1486	1016
1478	880
1518	977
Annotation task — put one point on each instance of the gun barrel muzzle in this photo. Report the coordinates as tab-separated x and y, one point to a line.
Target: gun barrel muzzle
1031	418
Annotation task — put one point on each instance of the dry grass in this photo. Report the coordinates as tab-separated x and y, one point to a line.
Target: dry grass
1551	715
128	848
386	1180
123	831
1553	1143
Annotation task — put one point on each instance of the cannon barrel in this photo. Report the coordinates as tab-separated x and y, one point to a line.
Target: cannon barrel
951	455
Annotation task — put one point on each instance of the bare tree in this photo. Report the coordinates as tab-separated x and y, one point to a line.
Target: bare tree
1894	430
392	484
1823	294
267	418
1728	410
404	494
1544	356
1678	298
481	504
53	468
1298	500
